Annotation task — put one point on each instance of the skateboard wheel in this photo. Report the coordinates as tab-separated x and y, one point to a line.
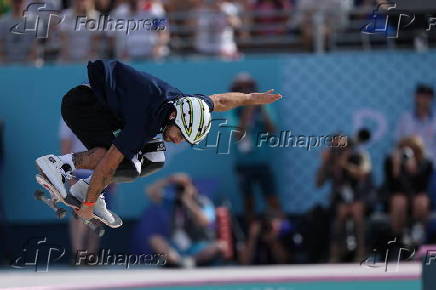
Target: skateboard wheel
38	194
60	212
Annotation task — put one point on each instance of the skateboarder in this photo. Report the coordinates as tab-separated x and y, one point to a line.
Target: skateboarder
117	116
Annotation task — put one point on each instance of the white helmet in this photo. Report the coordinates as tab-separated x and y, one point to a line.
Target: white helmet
193	118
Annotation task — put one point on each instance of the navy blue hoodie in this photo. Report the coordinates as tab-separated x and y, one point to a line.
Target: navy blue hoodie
138	99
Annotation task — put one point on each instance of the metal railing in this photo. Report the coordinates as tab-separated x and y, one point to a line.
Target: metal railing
345	33
285	31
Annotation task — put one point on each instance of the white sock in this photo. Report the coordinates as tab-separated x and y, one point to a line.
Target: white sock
68	159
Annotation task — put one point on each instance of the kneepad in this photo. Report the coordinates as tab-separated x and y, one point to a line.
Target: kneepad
148	160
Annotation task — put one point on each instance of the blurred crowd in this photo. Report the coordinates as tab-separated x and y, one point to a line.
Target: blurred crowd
360	218
365	216
224	28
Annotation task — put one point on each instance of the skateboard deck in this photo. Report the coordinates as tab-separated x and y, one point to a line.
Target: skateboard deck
70	201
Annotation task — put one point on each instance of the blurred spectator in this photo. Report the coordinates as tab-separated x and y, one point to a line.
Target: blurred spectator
369	5
15	48
407	175
4	6
186	232
142	43
215	22
51	46
244	7
105	46
267	243
271	16
104	7
177	6
81	44
253	163
348	167
82	237
421	121
320	17
180	12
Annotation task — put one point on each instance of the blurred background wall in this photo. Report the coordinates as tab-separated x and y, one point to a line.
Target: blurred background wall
323	93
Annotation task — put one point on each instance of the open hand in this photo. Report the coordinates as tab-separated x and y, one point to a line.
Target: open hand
264	98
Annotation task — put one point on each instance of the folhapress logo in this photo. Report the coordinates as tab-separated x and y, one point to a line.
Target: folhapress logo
39	254
388	20
222	139
375	260
37	19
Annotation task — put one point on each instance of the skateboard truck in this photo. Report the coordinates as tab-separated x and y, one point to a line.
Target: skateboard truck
60	212
53	201
92	225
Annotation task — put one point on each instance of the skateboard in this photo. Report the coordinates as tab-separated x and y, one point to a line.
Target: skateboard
55	198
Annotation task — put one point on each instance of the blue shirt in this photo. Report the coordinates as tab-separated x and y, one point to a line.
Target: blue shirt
138	99
246	151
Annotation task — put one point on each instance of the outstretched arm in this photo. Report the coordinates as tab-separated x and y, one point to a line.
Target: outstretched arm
229	101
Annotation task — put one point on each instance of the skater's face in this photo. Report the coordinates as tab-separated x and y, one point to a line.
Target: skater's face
173	134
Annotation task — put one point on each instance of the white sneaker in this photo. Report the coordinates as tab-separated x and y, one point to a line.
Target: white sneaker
52	167
79	190
102	212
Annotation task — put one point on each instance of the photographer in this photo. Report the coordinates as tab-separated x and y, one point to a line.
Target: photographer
191	239
420	121
253	163
407	173
267	242
349	170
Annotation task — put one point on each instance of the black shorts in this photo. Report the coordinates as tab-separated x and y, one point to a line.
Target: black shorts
94	125
90	120
259	174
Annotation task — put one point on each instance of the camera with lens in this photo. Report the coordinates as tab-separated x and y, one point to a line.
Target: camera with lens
179	190
407	154
363	136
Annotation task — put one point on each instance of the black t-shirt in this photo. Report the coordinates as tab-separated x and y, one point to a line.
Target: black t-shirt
138	99
406	182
